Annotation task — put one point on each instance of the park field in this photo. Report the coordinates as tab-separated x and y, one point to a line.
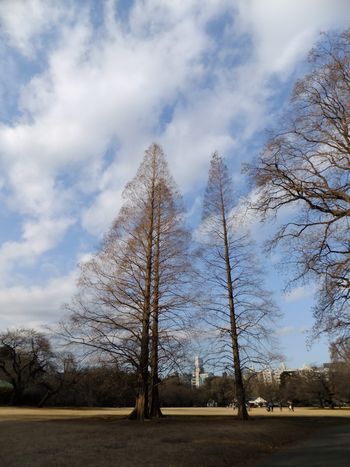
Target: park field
185	437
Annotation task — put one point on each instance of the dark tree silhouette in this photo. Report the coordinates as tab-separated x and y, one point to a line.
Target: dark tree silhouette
25	356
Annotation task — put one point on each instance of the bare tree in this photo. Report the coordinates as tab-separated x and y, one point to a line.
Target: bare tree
25	356
238	307
340	351
306	165
133	291
61	375
339	369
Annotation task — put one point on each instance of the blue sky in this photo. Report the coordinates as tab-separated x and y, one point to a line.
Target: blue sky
86	86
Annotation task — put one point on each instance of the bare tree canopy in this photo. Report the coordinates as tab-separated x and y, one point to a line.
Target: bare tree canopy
236	305
306	164
25	355
133	291
340	351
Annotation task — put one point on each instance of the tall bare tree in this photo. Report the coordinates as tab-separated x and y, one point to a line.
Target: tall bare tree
133	290
306	165
238	307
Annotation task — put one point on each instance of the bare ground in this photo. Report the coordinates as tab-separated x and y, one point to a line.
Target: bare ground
186	437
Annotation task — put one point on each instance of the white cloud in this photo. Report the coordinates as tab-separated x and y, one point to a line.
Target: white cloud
291	330
37	305
299	293
93	92
115	86
98	217
283	30
108	89
37	238
21	22
286	331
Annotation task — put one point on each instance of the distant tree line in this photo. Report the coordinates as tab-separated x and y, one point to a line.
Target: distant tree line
32	374
317	386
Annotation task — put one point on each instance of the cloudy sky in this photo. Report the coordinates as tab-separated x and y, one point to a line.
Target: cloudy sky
86	86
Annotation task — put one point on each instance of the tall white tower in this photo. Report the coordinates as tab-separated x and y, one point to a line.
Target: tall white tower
198	372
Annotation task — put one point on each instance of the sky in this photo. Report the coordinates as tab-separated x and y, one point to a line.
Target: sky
87	86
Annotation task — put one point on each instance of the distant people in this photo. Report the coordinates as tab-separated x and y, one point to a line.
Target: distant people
281	406
211	403
270	406
290	406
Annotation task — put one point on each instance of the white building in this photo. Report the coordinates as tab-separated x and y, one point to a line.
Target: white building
272	376
198	375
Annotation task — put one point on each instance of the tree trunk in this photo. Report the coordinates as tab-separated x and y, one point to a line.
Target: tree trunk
45	398
141	410
16	396
240	392
155	410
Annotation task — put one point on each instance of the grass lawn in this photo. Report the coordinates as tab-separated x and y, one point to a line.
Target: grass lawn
186	437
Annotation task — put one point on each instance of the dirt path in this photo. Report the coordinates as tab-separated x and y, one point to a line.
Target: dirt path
328	447
206	437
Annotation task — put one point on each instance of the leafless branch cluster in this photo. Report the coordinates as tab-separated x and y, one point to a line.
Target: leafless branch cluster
306	164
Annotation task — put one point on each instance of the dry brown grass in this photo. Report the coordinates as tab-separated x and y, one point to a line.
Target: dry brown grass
187	437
